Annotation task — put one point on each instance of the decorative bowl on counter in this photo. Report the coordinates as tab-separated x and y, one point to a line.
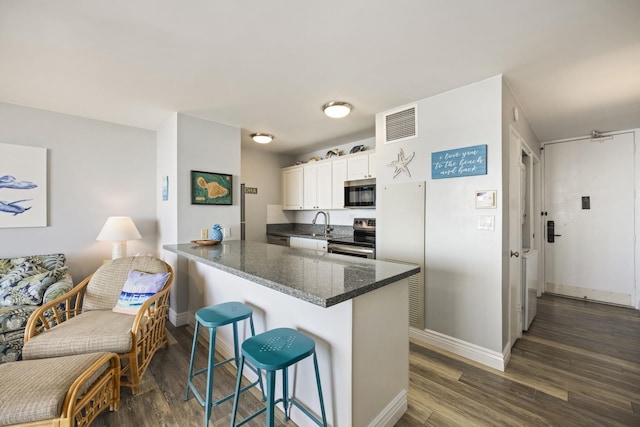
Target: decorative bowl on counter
206	242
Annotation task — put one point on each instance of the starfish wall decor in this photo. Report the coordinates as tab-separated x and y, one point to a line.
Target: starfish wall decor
402	163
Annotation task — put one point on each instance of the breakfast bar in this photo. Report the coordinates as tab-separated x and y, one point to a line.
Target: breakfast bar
355	309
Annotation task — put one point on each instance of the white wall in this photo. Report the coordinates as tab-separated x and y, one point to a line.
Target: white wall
95	170
261	170
522	126
337	216
167	148
210	147
184	144
167	213
463	295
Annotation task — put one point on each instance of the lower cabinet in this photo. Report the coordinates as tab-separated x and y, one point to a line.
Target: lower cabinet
301	242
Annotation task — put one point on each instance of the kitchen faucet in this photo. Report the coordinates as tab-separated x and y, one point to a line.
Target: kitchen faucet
327	221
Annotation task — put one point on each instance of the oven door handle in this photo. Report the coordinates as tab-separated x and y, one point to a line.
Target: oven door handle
349	248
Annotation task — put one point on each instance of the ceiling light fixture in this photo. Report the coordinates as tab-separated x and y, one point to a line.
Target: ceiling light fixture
262	138
337	109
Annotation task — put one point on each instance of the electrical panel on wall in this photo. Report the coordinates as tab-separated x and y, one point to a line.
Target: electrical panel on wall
400	124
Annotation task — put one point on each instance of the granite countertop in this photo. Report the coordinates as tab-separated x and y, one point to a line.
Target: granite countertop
317	277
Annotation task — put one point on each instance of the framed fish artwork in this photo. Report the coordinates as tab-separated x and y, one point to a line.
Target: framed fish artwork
23	186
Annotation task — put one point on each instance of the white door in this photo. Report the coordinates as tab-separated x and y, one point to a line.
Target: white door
589	222
515	237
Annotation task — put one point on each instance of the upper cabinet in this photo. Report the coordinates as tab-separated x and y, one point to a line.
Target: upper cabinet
292	188
320	185
317	185
361	166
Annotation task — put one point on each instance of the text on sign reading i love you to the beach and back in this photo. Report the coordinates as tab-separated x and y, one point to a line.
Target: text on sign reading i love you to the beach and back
465	161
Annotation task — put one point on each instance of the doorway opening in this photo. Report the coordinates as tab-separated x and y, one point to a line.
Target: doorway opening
524	235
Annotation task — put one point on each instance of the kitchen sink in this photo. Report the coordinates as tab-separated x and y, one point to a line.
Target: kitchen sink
328	235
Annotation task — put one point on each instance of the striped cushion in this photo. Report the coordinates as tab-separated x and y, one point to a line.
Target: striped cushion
33	390
93	331
107	282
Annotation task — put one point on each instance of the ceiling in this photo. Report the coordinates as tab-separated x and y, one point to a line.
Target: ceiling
269	66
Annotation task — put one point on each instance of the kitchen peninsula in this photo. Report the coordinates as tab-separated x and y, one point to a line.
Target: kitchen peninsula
355	309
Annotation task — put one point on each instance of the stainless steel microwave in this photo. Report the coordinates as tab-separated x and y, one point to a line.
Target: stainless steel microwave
360	193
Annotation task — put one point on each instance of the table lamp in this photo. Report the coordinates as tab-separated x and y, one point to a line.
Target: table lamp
119	229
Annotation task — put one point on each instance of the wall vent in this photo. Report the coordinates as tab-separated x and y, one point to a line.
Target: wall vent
416	299
401	124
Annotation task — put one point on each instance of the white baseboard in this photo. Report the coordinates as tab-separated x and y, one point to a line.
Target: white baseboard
392	413
590	294
490	358
179	319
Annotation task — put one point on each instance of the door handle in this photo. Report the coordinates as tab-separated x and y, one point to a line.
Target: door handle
515	254
551	236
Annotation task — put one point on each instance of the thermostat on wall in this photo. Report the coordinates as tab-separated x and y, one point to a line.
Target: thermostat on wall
485	199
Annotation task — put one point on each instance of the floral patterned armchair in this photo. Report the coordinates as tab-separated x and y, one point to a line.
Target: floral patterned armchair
25	284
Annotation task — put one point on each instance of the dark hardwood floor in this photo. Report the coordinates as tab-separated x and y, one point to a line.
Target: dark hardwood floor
579	365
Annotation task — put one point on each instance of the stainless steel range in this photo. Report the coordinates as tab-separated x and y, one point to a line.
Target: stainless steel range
363	242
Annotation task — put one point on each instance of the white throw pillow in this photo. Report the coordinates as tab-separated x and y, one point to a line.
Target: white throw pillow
138	288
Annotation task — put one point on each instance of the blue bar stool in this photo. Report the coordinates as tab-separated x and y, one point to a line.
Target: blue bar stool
272	351
212	317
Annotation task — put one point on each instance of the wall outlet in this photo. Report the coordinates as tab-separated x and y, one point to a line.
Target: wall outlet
226	232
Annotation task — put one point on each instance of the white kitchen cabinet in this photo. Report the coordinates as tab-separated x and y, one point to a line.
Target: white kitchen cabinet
320	185
317	185
372	165
361	166
303	243
338	177
292	188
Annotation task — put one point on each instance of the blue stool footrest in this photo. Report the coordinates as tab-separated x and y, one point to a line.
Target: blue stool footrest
222	399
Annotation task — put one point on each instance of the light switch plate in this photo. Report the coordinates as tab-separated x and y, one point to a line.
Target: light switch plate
487	222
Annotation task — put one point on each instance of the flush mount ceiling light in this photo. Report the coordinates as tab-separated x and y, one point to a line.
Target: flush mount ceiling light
337	109
262	138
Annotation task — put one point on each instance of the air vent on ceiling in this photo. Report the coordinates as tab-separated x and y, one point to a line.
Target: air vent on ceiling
401	124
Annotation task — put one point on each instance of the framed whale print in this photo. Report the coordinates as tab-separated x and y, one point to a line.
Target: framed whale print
23	186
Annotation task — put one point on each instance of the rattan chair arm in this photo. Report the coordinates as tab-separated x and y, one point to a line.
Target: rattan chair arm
72	302
75	399
147	310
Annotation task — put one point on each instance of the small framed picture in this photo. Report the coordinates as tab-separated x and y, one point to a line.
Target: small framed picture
486	199
210	188
165	188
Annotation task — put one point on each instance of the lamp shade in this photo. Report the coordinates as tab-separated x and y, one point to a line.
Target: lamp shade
119	229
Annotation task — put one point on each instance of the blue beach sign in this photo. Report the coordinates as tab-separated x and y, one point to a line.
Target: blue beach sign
465	161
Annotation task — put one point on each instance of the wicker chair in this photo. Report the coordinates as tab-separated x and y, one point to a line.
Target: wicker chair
82	320
59	392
